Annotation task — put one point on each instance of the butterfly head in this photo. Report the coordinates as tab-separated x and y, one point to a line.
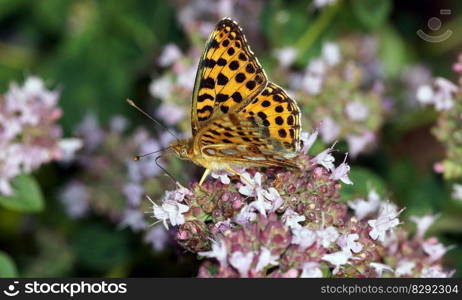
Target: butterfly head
182	148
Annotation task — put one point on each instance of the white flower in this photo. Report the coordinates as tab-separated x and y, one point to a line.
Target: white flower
304	237
161	87
286	56
219	252
265	259
341	172
222	175
457	191
379	268
311	270
435	272
133	192
329	130
423	223
169	55
241	262
312	84
325	159
308	140
68	147
291	219
356	111
404	267
331	53
265	200
364	208
245	215
387	220
323	3
337	259
317	66
444	95
348	242
425	94
272	196
434	249
357	143
134	219
251	185
327	236
170	210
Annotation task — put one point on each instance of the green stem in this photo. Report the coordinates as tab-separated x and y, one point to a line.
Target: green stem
315	30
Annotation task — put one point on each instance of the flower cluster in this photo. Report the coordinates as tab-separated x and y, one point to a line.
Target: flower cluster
111	183
341	93
446	97
279	223
29	133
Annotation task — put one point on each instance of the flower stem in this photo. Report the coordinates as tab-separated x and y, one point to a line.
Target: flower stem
314	31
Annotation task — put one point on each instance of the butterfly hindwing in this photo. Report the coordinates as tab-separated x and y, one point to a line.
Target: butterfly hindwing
278	115
229	75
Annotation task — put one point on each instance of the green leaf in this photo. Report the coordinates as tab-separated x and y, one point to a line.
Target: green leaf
7	266
27	196
371	13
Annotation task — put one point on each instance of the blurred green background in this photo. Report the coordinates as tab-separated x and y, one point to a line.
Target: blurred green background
99	52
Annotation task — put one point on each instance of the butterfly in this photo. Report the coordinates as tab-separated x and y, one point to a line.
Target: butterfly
238	117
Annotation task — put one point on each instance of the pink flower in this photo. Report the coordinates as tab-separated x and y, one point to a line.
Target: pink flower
286	56
170	113
357	143
170	210
405	267
308	140
134	219
75	198
356	111
158	237
435	272
331	53
325	159
292	219
222	176
329	130
380	268
327	236
170	55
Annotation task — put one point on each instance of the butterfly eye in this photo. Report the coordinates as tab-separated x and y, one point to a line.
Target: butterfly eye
184	152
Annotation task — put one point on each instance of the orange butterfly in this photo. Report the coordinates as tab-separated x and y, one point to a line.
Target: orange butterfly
238	117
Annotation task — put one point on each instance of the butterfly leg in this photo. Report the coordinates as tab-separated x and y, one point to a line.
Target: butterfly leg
232	171
204	176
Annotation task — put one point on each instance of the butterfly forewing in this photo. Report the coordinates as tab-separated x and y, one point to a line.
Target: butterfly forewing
228	78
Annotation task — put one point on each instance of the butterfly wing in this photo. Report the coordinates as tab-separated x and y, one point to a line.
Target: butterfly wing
228	78
265	133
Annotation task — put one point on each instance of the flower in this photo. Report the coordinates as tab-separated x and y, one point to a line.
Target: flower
308	140
170	54
364	208
423	223
356	111
304	237
327	236
241	262
134	219
434	249
404	267
379	268
357	143
457	191
341	172
222	176
286	56
75	198
331	53
170	210
348	242
219	252
387	220
337	259
265	259
325	159
311	270
435	272
170	113
329	130
292	219
158	237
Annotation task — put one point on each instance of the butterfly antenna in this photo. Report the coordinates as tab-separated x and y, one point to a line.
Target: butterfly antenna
138	157
151	118
163	169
